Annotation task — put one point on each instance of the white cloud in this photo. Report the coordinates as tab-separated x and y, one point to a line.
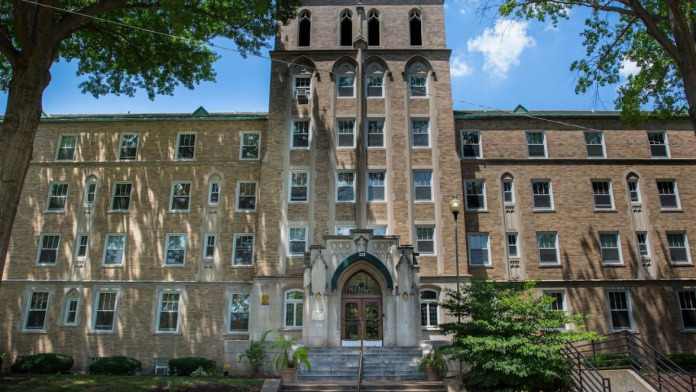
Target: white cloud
502	45
459	68
628	68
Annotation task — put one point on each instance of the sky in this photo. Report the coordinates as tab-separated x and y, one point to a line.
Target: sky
497	63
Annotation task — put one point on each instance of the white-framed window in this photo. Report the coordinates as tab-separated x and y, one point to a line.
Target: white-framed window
425	239
48	249
343	229
81	246
345	81
558	299
345	133
470	143
105	310
375	133
376	185
620	309
209	246
67	144
536	144
513	247
678	245
71	310
37	311
185	146
238	312
508	186
57	197
669	195
543	195
303	88
594	142
475	195
547	243
610	247
175	249
168	311
246	196
243	249
633	185
659	146
297	240
423	184
375	81
479	249
378	229
214	190
90	195
294	306
299	186
687	307
161	366
180	199
121	195
418	80
420	132
643	245
114	249
301	133
429	306
249	146
345	187
128	147
602	195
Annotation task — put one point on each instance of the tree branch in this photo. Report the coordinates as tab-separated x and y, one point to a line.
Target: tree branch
6	46
74	21
651	25
594	4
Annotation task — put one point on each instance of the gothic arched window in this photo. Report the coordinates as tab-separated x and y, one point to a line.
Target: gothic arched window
375	81
304	26
418	79
373	28
415	26
346	26
345	80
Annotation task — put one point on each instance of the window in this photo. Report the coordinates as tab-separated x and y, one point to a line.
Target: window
594	141
114	248
243	252
209	246
48	249
90	192
57	197
512	245
161	366
687	306
375	133
81	246
602	195
213	192
246	196
345	81
643	245
168	311
420	129
105	311
479	250
303	88
186	146
346	28
558	299
345	133
658	144
633	190
120	199
548	248
299	186
536	144
471	144
344	230
181	196
610	246
543	195
175	249
669	195
418	80
376	181
423	184
508	191
425	240
70	310
378	229
619	310
345	187
304	27
373	28
429	308
239	312
297	241
294	302
67	144
475	195
37	311
300	134
375	81
678	248
414	26
249	145
128	147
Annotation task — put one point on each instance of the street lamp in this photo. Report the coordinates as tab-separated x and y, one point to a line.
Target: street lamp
455	206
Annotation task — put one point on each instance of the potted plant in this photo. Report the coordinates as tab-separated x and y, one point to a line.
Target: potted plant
288	359
434	364
255	354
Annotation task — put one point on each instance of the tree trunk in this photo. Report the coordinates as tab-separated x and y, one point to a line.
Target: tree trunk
689	77
17	134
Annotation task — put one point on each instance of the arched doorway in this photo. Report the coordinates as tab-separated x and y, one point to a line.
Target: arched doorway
361	305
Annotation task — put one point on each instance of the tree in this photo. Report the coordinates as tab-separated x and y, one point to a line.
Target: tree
510	336
656	35
115	48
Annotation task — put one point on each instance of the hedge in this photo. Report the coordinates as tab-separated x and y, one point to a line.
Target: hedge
685	360
115	366
48	363
187	365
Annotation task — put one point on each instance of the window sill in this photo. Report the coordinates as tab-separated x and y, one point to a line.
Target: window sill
117	211
684	264
421	147
604	210
431	329
376	148
339	97
35	331
613	265
689	331
543	210
178	211
173	265
184	159
245	266
419	97
300	202
54	211
299	148
114	266
291	329
550	265
481	266
237	333
670	210
95	332
378	202
245	211
44	265
345	148
426	254
475	210
423	201
345	202
166	333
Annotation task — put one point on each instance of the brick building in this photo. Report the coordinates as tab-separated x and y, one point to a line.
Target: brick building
167	235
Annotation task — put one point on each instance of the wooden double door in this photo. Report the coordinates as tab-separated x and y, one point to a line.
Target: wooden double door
361	310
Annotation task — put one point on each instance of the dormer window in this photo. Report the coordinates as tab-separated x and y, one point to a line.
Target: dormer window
373	28
346	28
304	27
415	26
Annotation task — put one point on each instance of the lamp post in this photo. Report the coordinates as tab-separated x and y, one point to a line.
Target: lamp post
455	206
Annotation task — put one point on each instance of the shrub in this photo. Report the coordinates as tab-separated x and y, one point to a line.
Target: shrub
115	366
256	353
687	361
187	365
49	363
610	360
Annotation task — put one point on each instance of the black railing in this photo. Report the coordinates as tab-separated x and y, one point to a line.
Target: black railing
583	375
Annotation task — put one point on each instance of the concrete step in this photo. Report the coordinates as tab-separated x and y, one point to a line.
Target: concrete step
368	386
379	363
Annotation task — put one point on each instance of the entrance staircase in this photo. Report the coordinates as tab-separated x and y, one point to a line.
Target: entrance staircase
368	386
379	363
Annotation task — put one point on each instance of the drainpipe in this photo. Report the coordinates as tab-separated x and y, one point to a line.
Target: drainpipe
361	110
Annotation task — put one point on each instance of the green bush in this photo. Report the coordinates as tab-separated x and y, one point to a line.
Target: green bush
115	366
187	365
687	361
49	363
610	360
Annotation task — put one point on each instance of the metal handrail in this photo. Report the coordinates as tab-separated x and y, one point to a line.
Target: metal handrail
587	377
362	354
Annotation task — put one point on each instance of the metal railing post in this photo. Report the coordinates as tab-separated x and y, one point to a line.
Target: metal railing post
692	383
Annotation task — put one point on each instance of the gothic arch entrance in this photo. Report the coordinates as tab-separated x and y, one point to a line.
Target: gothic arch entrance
361	311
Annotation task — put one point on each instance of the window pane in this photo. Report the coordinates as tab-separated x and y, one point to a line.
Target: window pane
187	145
129	147
239	312
244	250
115	245
300	134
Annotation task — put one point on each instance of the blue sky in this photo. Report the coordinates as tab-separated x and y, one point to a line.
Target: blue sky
497	63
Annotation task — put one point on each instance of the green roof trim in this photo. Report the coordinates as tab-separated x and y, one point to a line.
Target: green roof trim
196	116
200	112
490	114
520	109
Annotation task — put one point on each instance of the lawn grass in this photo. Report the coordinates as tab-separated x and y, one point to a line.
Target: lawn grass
84	383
